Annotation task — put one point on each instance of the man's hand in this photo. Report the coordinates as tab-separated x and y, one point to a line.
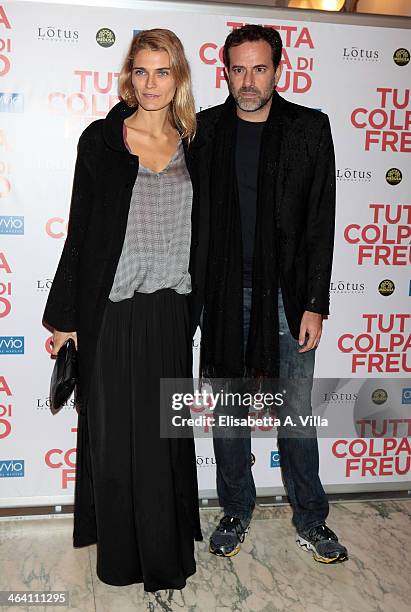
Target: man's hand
311	326
59	338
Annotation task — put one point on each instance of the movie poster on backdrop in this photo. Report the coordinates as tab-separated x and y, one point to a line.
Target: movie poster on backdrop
358	75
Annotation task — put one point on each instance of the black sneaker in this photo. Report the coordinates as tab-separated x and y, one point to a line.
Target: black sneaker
324	544
226	540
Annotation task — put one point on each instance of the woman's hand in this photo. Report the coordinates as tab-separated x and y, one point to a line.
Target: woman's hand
59	338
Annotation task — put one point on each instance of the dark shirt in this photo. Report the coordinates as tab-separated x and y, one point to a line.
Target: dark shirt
247	155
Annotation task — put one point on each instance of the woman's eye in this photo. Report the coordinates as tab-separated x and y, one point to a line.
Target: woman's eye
138	72
164	73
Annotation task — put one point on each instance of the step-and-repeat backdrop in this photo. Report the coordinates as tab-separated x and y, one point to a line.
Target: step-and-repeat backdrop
58	72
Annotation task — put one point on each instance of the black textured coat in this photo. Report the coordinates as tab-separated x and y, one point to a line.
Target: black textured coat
104	177
305	206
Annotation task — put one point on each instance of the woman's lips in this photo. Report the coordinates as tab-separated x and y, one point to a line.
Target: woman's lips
151	96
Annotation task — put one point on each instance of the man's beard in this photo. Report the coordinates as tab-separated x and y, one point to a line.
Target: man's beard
253	104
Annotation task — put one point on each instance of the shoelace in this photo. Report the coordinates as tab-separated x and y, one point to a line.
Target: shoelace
324	531
230	521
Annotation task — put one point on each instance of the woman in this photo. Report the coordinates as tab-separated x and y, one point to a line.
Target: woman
122	290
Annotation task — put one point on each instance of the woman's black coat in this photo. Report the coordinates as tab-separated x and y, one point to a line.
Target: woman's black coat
104	177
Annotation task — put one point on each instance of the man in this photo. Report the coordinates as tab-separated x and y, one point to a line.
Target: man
272	209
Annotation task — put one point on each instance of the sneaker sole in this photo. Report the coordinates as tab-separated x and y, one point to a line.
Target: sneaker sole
220	553
309	547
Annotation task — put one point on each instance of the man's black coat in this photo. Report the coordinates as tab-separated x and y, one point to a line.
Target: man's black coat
305	201
103	182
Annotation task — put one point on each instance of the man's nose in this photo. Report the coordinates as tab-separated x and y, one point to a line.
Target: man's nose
248	80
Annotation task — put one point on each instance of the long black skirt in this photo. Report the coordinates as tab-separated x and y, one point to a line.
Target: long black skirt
136	493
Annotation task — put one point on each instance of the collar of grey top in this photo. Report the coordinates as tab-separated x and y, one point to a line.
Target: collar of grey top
113	128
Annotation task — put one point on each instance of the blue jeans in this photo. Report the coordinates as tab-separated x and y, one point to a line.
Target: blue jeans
298	455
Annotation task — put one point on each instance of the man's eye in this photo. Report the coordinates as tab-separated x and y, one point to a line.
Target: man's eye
237	70
260	69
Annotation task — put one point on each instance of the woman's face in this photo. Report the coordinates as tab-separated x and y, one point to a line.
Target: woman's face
152	80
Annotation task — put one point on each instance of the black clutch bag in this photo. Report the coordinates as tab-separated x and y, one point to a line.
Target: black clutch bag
64	376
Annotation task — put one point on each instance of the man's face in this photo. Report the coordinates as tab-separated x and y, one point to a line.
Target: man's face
251	76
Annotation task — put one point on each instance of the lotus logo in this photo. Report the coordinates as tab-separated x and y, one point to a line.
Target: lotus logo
353	175
355	54
343	286
205	461
57	34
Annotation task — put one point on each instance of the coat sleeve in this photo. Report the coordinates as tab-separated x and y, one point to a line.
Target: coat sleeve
60	311
320	224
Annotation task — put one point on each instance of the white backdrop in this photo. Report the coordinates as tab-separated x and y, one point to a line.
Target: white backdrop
58	72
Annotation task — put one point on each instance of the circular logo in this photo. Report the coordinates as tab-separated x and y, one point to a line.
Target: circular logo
379	396
393	176
252	458
401	57
386	287
105	37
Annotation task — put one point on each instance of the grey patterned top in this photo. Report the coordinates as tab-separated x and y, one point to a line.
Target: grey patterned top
156	248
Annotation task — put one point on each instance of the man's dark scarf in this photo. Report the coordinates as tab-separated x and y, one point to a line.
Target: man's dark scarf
222	333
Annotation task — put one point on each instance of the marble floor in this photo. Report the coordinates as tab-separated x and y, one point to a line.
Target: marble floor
270	574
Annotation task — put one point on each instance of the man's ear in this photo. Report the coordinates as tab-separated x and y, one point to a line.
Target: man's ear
226	74
278	72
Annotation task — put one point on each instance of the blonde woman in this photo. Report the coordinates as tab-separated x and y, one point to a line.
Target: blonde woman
126	291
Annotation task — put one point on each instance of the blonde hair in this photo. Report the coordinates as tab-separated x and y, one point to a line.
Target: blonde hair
182	114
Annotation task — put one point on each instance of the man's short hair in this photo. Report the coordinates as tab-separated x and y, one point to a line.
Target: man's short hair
252	33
